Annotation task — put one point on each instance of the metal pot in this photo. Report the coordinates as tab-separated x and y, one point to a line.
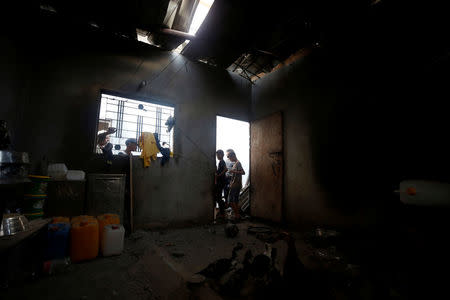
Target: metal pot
12	224
14	167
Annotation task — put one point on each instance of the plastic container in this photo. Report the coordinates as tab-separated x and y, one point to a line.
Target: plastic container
61	220
75	175
57	241
37	185
56	266
106	219
113	239
33	206
84	242
425	193
57	171
78	219
32	216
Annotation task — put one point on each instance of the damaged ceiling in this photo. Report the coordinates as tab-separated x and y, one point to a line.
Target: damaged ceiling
252	38
164	21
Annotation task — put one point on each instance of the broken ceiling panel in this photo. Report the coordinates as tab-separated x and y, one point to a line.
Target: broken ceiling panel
124	18
254	65
251	37
185	14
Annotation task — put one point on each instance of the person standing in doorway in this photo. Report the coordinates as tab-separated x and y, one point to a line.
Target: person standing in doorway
228	176
235	184
220	181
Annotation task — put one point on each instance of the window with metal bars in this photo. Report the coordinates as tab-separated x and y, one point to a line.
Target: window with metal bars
132	117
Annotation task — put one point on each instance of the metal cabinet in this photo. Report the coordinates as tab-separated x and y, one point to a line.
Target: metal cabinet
65	198
106	194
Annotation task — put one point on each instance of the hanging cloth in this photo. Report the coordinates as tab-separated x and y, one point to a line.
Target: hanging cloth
147	143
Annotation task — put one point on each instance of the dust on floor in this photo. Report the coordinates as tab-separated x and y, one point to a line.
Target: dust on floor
158	264
132	274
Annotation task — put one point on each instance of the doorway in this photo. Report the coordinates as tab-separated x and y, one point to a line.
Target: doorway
264	138
235	134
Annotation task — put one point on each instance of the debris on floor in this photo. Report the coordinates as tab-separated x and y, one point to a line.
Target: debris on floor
231	230
260	262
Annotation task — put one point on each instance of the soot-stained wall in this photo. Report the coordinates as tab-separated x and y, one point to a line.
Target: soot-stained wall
64	79
354	127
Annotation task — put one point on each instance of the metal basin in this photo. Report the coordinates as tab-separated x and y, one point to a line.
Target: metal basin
14	167
12	224
13	157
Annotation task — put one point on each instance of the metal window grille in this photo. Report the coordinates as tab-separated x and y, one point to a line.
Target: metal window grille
132	117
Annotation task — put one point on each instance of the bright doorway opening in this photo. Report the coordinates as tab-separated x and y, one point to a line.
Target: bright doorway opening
235	134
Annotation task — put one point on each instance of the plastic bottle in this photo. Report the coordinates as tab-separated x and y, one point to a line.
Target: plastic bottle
56	266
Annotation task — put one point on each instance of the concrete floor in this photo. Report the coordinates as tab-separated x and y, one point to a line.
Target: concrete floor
159	264
153	265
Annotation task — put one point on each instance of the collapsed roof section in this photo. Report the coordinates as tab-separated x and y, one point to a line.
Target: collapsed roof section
164	23
251	37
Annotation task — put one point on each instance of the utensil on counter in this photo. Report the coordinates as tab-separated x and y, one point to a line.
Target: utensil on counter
13	223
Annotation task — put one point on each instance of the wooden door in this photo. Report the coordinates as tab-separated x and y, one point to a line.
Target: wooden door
266	167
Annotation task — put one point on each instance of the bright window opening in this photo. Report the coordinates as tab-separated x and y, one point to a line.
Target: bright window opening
132	117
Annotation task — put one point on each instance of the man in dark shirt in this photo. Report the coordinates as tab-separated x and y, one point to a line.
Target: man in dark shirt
131	146
220	182
104	146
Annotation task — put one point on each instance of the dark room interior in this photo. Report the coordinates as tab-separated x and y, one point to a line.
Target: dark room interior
112	185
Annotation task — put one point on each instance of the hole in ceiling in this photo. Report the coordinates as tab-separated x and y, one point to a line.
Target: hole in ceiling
201	12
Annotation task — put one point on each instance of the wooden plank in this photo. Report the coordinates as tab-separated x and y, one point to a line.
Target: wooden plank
131	195
266	164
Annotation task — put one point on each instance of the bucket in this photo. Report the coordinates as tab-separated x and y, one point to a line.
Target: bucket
32	216
37	186
33	206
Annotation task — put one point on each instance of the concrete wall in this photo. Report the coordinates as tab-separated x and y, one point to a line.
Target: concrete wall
354	127
11	84
67	74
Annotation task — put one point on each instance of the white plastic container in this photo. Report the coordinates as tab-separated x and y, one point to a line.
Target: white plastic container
75	175
112	241
425	193
57	171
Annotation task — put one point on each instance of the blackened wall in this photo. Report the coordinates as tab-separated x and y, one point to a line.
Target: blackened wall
360	115
66	75
12	83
